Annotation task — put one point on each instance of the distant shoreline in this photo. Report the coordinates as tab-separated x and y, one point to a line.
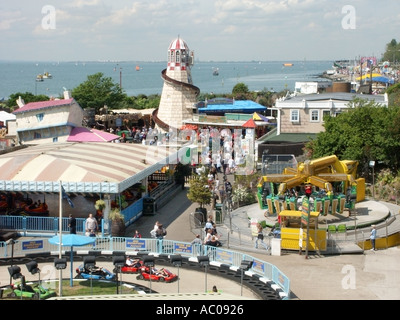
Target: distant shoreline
156	61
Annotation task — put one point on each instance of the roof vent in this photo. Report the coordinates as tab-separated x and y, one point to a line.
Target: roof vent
20	102
67	94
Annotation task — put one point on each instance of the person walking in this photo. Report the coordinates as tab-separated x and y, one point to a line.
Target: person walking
260	237
373	237
72	224
91	225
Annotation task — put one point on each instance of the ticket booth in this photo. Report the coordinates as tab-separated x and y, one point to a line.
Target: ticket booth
294	232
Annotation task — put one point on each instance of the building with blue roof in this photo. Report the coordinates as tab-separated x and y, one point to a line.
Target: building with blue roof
220	106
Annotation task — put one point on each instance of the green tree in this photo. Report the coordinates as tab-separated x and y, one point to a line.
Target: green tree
366	132
394	95
392	52
98	91
199	191
240	91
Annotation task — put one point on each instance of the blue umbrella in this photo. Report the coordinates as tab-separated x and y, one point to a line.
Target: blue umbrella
72	240
382	79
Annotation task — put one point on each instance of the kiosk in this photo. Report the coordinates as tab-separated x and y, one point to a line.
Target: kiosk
292	229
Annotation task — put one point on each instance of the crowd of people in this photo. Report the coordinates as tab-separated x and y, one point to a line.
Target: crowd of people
221	147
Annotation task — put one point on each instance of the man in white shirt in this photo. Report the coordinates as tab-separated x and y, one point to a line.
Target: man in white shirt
91	225
231	165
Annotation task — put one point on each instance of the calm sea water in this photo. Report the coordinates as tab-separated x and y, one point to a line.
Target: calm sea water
21	76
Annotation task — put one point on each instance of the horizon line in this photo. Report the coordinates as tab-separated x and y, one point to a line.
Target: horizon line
164	61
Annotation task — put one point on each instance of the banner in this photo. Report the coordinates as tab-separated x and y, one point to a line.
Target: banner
305	209
65	196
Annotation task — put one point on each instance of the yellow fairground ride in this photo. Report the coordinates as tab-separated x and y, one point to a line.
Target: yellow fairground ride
330	185
335	186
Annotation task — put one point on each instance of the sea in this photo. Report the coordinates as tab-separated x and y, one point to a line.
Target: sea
137	78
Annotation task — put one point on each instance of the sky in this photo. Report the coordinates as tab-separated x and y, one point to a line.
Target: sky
220	30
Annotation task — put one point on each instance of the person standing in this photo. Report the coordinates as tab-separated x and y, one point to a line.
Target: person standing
161	232
209	225
137	234
72	224
197	240
155	228
91	225
373	237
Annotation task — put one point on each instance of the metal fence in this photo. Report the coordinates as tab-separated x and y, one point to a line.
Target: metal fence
27	225
144	245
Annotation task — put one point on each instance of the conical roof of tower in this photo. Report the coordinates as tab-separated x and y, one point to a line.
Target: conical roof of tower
178	44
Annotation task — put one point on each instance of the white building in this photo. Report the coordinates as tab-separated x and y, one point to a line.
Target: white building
305	113
47	121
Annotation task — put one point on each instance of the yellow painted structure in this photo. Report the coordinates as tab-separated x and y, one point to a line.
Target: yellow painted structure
290	232
321	173
382	243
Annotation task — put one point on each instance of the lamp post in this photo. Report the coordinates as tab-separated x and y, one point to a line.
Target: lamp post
89	262
60	264
148	261
12	242
176	261
119	262
244	266
204	261
32	267
15	273
372	165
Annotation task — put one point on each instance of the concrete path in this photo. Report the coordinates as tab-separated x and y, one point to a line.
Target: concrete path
370	275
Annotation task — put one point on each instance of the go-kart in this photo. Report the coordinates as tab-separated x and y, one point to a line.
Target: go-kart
135	268
95	273
35	291
161	275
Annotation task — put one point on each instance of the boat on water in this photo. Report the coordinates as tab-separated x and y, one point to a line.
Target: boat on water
288	64
47	75
39	78
137	68
215	71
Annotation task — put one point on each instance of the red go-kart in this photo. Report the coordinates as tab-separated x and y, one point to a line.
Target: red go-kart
159	275
135	268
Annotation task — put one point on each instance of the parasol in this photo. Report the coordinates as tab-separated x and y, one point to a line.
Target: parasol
249	124
259	117
72	240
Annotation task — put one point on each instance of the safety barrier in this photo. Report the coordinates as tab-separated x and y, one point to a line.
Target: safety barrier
218	257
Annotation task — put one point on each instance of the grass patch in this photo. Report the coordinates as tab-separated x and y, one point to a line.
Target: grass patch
81	288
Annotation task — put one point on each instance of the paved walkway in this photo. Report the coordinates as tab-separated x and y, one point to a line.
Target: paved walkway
366	275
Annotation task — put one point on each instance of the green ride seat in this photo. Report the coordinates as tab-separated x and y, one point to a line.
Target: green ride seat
332	228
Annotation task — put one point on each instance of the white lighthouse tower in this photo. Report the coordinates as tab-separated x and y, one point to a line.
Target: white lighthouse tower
179	95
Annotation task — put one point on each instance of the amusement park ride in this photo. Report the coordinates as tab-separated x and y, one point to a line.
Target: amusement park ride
329	185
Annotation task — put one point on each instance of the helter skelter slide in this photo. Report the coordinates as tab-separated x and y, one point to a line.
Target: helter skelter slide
179	86
179	95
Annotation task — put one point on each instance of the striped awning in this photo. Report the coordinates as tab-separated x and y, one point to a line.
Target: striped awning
82	167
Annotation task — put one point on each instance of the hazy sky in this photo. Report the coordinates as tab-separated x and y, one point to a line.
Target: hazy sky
233	30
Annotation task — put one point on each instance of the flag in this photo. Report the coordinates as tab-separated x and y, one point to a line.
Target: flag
65	196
